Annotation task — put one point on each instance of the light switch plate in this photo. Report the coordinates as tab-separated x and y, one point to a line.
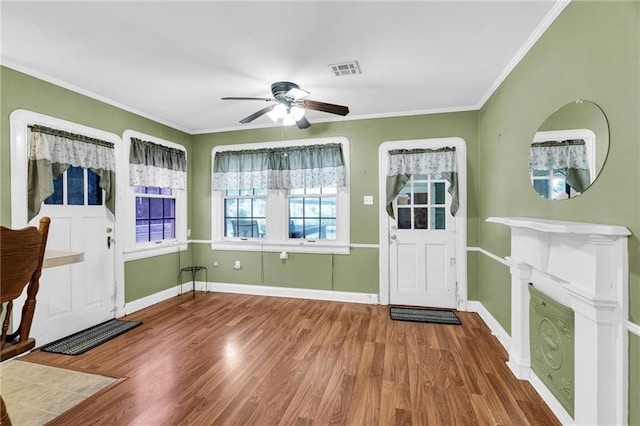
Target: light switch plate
368	200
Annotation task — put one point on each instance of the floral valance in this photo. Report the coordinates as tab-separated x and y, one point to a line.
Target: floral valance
53	151
569	154
403	163
152	164
308	166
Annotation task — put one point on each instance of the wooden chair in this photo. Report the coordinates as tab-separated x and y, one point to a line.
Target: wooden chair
21	257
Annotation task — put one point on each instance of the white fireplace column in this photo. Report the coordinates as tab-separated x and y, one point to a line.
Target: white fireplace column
584	266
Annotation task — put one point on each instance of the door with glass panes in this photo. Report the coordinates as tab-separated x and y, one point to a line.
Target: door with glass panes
422	256
77	296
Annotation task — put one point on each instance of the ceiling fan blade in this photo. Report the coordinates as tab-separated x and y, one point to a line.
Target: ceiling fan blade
296	93
257	114
235	98
324	107
303	123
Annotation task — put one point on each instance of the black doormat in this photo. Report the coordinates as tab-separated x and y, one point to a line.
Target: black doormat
80	342
439	316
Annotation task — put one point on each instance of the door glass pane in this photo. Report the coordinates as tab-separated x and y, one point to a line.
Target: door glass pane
94	192
58	192
420	193
404	197
404	218
75	186
437	192
438	218
420	218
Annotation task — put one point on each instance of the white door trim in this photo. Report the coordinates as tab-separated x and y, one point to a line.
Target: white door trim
460	218
19	121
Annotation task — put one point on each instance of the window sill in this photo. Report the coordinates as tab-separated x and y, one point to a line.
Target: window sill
153	250
303	246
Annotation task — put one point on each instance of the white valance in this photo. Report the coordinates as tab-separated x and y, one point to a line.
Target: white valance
152	164
74	152
422	162
569	154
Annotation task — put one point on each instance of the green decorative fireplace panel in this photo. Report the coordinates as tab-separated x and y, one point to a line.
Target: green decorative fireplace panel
551	330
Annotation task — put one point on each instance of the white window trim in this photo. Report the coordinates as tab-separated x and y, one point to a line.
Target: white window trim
133	250
587	135
277	227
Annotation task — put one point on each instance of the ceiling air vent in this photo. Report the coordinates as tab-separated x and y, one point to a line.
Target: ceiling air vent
345	68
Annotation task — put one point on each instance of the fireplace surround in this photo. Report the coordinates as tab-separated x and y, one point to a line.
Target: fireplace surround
585	267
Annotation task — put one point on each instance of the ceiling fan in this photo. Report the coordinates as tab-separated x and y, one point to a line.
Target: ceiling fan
289	104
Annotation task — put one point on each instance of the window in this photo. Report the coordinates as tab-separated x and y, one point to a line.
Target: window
312	213
156	198
245	213
422	203
77	186
155	214
313	219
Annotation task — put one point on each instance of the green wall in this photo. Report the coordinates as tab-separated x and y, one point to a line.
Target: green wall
20	91
591	52
358	271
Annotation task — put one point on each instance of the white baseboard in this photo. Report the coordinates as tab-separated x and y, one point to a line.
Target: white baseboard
496	329
152	299
296	293
257	290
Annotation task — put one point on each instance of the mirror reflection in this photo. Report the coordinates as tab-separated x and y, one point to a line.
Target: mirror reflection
569	150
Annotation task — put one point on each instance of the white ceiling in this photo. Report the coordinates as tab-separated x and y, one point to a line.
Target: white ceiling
173	61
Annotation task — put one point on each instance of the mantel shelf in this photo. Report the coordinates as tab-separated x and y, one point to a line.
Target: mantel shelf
562	227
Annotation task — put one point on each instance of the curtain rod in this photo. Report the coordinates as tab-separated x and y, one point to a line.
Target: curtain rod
69	135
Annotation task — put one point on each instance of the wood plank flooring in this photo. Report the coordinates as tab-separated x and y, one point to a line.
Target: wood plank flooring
225	359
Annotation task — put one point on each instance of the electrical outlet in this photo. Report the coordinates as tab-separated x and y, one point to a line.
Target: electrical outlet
216	264
237	265
368	200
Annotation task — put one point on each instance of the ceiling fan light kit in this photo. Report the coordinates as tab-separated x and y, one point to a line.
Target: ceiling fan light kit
290	105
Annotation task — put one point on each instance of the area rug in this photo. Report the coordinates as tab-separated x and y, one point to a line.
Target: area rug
36	394
80	342
439	316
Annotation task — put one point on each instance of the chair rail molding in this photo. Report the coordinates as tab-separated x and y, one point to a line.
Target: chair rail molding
584	266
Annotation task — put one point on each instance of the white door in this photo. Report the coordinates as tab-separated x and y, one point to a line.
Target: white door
77	296
422	245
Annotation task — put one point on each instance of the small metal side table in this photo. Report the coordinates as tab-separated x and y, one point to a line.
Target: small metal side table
193	270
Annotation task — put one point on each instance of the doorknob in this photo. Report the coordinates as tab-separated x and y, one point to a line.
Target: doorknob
393	236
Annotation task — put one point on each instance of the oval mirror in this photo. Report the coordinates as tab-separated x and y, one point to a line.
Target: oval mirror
569	150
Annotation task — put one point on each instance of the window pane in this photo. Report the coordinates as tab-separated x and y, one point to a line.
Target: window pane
296	207
420	193
230	207
437	192
312	228
438	218
142	208
155	208
58	192
260	191
297	191
259	207
313	191
75	186
244	207
246	192
233	192
245	228
329	190
328	207
166	191
541	172
229	231
311	207
420	177
328	229
94	192
295	228
404	218
420	218
156	230
169	207
142	231
169	228
152	190
139	189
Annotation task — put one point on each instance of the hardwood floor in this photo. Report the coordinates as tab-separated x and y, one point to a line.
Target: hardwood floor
248	360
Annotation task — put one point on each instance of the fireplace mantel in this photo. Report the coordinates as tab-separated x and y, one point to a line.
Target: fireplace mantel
584	266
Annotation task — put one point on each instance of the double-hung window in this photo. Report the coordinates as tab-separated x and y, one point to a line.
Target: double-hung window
290	195
157	199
